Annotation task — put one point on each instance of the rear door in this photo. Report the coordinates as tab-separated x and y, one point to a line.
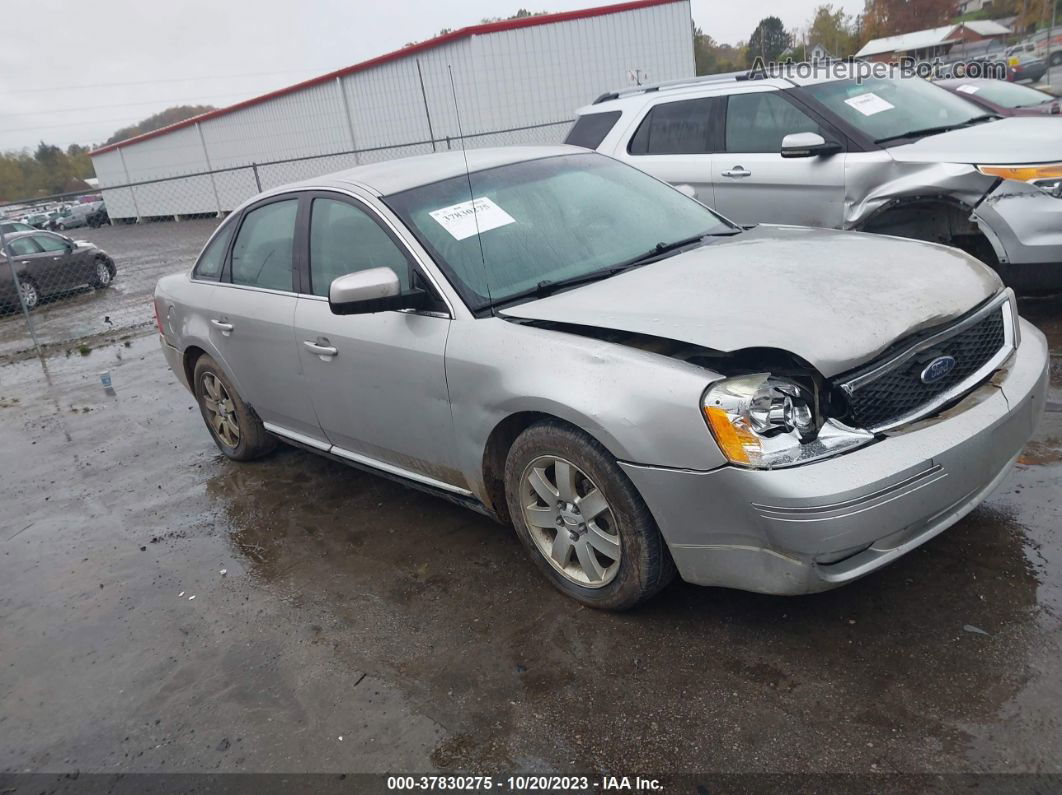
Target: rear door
378	380
251	313
674	141
755	184
25	253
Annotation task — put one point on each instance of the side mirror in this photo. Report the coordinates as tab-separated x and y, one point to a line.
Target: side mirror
372	290
687	190
807	144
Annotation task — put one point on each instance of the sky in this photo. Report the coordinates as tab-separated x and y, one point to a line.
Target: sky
98	66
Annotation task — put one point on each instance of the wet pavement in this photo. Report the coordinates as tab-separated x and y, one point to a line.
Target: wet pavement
361	626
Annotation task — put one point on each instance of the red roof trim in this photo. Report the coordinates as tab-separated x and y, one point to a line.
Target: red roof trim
462	33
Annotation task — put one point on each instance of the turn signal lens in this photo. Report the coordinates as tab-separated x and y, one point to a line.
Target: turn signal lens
737	443
1023	173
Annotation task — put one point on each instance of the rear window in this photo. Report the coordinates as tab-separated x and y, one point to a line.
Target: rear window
677	128
590	130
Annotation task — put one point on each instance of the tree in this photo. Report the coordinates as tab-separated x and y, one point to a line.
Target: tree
892	17
768	41
832	30
159	120
712	58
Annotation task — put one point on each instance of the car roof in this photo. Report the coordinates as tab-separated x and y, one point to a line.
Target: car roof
394	176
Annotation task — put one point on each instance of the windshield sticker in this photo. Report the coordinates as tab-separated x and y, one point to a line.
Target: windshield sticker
465	219
968	89
868	104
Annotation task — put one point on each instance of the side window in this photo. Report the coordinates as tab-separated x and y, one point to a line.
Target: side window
676	128
213	257
262	253
22	246
590	130
49	243
758	122
345	239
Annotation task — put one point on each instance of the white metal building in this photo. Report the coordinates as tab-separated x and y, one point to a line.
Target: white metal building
516	81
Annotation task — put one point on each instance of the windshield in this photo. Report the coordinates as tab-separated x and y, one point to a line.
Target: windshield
547	221
885	108
1007	95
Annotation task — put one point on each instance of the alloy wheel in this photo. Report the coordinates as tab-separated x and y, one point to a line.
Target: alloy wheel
221	411
570	521
30	296
103	273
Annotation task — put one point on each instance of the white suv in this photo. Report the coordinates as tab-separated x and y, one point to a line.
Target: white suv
882	154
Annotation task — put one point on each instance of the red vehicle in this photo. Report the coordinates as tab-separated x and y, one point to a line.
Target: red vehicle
1005	99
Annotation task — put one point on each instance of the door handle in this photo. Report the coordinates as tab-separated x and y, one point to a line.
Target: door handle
226	328
326	352
737	172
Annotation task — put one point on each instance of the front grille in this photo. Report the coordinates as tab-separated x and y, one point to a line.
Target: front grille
884	396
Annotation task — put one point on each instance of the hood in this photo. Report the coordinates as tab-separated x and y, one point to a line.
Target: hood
1020	139
836	299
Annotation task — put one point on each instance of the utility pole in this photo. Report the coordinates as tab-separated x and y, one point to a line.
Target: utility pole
1050	36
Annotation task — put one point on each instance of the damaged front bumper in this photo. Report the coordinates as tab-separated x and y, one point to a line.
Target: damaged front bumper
1024	225
818	526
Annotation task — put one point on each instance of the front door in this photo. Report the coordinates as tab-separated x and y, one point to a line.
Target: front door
755	184
377	380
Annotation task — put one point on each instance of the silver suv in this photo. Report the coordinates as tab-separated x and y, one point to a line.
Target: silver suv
884	154
637	384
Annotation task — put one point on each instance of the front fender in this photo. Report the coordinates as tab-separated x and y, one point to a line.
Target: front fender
643	407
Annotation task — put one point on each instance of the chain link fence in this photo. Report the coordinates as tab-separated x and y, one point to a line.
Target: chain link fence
78	270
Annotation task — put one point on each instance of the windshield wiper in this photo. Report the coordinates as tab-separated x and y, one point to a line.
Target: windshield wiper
937	130
659	251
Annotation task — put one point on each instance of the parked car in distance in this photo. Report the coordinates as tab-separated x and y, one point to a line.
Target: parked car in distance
78	215
48	264
636	383
1005	99
9	227
97	216
891	155
1040	45
1025	66
37	220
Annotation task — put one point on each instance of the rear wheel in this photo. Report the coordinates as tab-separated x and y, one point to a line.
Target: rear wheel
30	294
582	520
236	429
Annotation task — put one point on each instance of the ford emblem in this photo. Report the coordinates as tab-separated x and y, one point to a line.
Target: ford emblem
937	369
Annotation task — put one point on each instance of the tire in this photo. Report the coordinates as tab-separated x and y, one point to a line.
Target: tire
1056	58
553	533
238	432
102	275
31	294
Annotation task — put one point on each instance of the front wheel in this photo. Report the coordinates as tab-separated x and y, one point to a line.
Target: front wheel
236	429
102	275
582	520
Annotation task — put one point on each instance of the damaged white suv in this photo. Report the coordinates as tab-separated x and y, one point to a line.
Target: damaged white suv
884	154
637	384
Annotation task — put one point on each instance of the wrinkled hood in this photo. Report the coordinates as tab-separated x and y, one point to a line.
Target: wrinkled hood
837	299
1015	140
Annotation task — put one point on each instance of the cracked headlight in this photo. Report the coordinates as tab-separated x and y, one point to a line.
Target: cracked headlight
767	422
1047	178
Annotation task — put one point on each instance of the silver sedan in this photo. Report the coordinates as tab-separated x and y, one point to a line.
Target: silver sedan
637	385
